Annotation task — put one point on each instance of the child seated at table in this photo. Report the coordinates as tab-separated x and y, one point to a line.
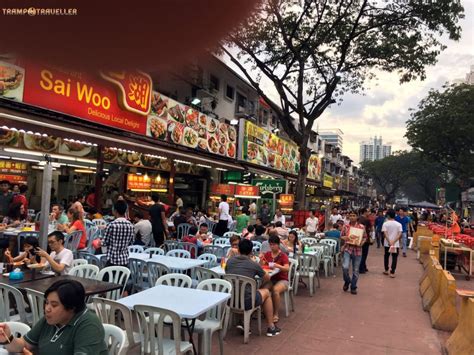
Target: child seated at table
28	255
195	238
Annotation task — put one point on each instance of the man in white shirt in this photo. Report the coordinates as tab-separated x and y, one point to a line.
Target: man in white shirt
279	217
392	231
60	258
335	216
143	229
224	216
312	224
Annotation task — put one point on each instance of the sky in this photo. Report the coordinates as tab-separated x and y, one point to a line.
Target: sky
384	108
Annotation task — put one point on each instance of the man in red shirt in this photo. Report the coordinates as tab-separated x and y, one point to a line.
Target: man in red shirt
278	284
21	198
351	252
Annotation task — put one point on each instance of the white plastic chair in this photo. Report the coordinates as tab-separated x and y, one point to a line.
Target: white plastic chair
308	267
77	262
154	251
333	244
175	280
288	294
237	302
36	301
8	293
155	271
326	258
115	274
205	274
18	329
216	318
87	271
309	241
91	258
138	274
222	241
72	240
182	230
153	335
116	340
100	223
112	312
179	253
215	250
230	234
211	260
135	249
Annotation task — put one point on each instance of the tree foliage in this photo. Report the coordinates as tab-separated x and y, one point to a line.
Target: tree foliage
404	172
314	52
443	129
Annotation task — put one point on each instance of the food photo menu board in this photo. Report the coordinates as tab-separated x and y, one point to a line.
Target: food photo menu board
176	123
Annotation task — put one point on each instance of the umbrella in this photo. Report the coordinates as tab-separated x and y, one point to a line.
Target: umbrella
424	204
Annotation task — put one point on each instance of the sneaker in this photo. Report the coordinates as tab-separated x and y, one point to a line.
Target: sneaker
385	272
404	255
354	291
271	332
392	276
345	287
241	328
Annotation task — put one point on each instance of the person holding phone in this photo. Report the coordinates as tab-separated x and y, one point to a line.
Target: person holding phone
29	255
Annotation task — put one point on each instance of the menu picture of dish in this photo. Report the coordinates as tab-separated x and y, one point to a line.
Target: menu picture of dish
74	148
156	127
190	137
44	144
12	79
159	105
176	131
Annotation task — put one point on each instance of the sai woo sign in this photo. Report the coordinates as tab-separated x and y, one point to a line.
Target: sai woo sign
115	99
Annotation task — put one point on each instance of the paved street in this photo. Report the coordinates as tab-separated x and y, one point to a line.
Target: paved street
384	318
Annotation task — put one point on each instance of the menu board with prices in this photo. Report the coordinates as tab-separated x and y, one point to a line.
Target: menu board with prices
13	167
176	123
138	182
14	179
222	189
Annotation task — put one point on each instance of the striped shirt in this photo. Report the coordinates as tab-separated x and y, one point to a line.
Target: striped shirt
119	234
352	249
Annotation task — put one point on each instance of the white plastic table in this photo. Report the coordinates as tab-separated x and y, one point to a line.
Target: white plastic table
174	299
178	263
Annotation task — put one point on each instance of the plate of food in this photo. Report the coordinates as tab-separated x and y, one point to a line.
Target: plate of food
202	144
222	149
109	154
252	151
175	113
212	124
191	117
159	104
231	150
232	133
222	138
213	144
202	132
203	121
149	161
45	144
176	130
74	148
48	272
223	129
156	127
134	158
9	138
11	81
190	137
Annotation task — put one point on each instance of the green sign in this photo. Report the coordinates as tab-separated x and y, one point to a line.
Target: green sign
270	186
232	176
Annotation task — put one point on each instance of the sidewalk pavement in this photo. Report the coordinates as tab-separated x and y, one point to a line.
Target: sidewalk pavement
385	317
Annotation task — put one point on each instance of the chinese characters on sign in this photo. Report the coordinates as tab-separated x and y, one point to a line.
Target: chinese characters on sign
12	167
287	199
138	182
222	189
246	191
14	179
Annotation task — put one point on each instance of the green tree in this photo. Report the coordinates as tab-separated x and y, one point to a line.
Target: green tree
315	52
442	128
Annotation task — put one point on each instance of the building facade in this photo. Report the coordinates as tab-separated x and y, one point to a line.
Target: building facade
374	149
332	136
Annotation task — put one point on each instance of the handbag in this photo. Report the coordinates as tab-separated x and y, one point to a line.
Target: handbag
372	238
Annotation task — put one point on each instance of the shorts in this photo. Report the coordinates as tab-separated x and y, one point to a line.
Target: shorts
258	301
284	282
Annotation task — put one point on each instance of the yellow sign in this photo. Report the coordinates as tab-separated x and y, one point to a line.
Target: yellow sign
328	181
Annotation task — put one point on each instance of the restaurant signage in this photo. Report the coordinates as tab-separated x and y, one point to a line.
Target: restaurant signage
270	186
328	181
247	191
314	168
13	167
122	100
138	182
287	199
14	179
222	189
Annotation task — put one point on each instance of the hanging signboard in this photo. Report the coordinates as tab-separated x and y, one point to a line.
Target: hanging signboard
222	189
287	199
270	186
328	181
247	191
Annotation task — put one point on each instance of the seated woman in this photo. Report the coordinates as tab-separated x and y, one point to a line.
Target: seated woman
76	224
29	255
67	327
13	218
292	245
234	250
278	284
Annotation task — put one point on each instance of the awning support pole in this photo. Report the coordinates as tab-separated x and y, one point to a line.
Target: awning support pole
45	202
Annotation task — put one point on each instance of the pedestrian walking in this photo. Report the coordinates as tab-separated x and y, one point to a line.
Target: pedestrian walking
352	254
402	218
365	221
392	231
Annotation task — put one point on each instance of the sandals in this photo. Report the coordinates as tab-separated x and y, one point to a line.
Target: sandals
275	319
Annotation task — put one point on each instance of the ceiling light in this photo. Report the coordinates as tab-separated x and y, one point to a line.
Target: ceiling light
21	151
204	166
84	171
39	167
234	122
221	169
182	161
196	101
276	130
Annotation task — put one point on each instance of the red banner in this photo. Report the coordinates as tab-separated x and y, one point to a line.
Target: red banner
247	191
14	179
222	189
82	95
